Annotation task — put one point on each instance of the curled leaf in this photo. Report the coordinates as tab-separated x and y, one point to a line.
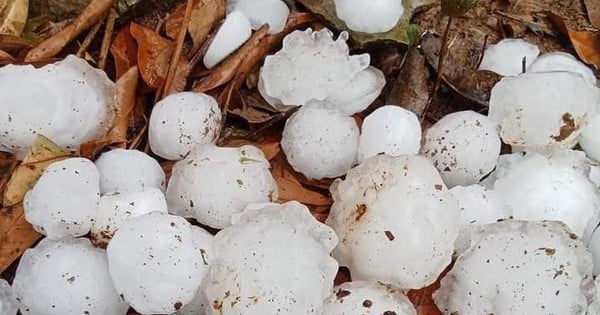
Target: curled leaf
154	54
16	235
124	51
13	16
126	96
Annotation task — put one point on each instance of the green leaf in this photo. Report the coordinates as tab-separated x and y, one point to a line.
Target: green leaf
413	34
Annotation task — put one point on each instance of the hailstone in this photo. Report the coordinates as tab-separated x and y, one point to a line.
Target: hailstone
272	12
374	16
367	297
508	56
234	32
126	170
358	94
560	61
8	303
589	140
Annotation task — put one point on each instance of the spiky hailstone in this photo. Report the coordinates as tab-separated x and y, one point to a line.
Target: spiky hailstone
234	32
8	303
367	297
376	16
272	12
63	201
320	143
519	267
395	220
560	61
126	170
115	208
589	139
540	111
275	259
390	129
69	102
157	262
463	146
67	277
182	121
506	57
213	183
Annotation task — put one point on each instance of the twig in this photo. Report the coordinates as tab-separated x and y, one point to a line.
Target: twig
106	40
177	53
438	76
88	39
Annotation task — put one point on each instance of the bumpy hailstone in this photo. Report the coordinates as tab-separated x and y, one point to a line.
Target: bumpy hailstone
67	277
214	183
275	259
126	170
506	57
395	220
519	267
589	140
182	121
375	16
157	262
69	102
541	111
560	61
115	208
359	93
320	143
390	129
234	32
8	303
63	201
463	146
272	12
367	297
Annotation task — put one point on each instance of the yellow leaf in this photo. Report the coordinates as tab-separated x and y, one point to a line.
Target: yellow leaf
13	16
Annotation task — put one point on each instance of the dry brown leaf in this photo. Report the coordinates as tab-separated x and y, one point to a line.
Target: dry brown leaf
174	22
410	88
290	187
586	43
124	51
4	56
16	235
154	54
9	42
176	56
13	16
126	97
593	11
205	15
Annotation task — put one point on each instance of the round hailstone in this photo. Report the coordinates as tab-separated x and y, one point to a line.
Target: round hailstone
8	303
272	12
359	93
375	16
320	143
540	110
115	208
125	170
390	129
560	61
66	277
69	102
506	57
464	147
63	201
275	259
519	267
157	262
234	32
182	121
366	297
214	183
589	140
395	220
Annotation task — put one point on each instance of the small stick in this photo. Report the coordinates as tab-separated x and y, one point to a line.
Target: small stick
438	77
177	53
88	39
106	40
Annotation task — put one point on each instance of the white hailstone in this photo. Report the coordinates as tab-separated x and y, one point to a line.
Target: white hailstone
66	277
594	245
69	102
594	175
115	208
198	305
390	129
63	201
8	303
375	16
234	32
560	61
272	12
594	306
311	65
367	297
126	170
589	140
213	183
540	111
519	267
275	259
320	143
157	262
395	220
359	93
182	121
464	147
506	57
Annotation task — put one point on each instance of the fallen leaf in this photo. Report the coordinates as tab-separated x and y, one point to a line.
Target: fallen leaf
410	89
176	57
16	235
9	42
290	188
205	15
456	8
13	16
126	97
154	54
124	51
593	10
586	43
4	56
174	22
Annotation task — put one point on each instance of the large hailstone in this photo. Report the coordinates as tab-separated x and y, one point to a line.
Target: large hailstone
589	140
390	129
63	201
182	121
126	170
320	143
375	16
275	259
541	111
67	277
115	208
367	297
8	303
69	102
519	267
560	61
464	147
157	262
233	33
272	12
213	183
395	220
508	55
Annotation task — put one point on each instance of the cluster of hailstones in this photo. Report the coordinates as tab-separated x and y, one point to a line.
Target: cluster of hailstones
520	227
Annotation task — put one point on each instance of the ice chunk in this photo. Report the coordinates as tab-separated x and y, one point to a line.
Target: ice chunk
272	12
589	140
374	16
126	170
367	297
560	61
359	93
234	32
508	56
8	302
